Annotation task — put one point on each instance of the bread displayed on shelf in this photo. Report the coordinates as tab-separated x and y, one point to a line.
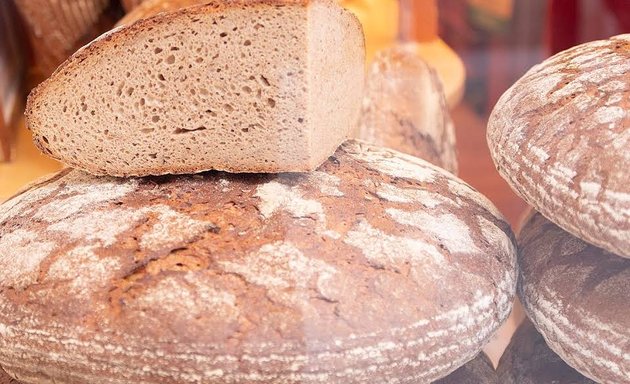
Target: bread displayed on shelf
266	86
376	267
528	360
404	108
559	136
577	295
57	28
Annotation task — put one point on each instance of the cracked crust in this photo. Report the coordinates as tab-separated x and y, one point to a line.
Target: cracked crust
577	297
377	266
561	137
528	360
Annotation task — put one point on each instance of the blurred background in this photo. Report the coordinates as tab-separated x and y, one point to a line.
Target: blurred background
478	47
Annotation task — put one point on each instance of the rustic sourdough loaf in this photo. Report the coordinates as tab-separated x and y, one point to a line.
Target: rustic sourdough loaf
404	108
561	137
577	295
243	86
528	360
477	371
377	267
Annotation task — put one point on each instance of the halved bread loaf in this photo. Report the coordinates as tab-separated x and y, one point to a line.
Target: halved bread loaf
256	86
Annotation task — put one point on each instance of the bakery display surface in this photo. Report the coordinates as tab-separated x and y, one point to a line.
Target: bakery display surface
138	270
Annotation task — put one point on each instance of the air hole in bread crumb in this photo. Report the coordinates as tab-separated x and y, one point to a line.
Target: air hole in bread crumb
258	26
264	80
147	130
181	130
223	34
170	59
142	101
157	50
199	59
271	103
247	43
155	119
228	108
153	155
161	77
174	48
129	91
300	120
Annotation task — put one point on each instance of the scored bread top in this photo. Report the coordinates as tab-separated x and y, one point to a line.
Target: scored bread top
236	86
560	136
577	296
376	267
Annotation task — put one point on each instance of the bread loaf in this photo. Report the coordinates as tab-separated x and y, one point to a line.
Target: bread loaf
477	371
242	86
405	109
577	295
528	360
58	27
560	137
377	267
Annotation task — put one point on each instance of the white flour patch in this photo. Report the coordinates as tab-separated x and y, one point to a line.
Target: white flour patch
103	226
281	267
447	228
387	250
171	228
328	184
392	163
605	115
496	238
275	196
199	297
21	253
405	195
84	269
82	191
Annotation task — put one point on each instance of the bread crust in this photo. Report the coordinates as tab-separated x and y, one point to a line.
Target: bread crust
328	277
559	136
576	295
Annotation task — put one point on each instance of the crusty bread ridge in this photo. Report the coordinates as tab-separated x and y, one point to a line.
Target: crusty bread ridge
326	277
193	105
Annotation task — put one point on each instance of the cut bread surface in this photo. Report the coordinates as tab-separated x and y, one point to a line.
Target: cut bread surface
243	87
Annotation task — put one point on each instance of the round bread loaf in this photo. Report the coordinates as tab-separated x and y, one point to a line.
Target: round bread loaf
528	360
404	108
577	295
378	267
477	371
561	137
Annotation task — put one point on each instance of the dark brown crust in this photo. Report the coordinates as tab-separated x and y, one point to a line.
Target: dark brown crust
528	360
477	371
6	379
559	136
577	296
121	281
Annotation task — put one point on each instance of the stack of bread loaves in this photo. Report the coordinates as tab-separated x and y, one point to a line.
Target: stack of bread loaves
561	137
367	265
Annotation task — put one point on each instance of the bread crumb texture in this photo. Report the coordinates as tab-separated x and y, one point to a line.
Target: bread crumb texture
378	266
263	86
577	296
561	137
